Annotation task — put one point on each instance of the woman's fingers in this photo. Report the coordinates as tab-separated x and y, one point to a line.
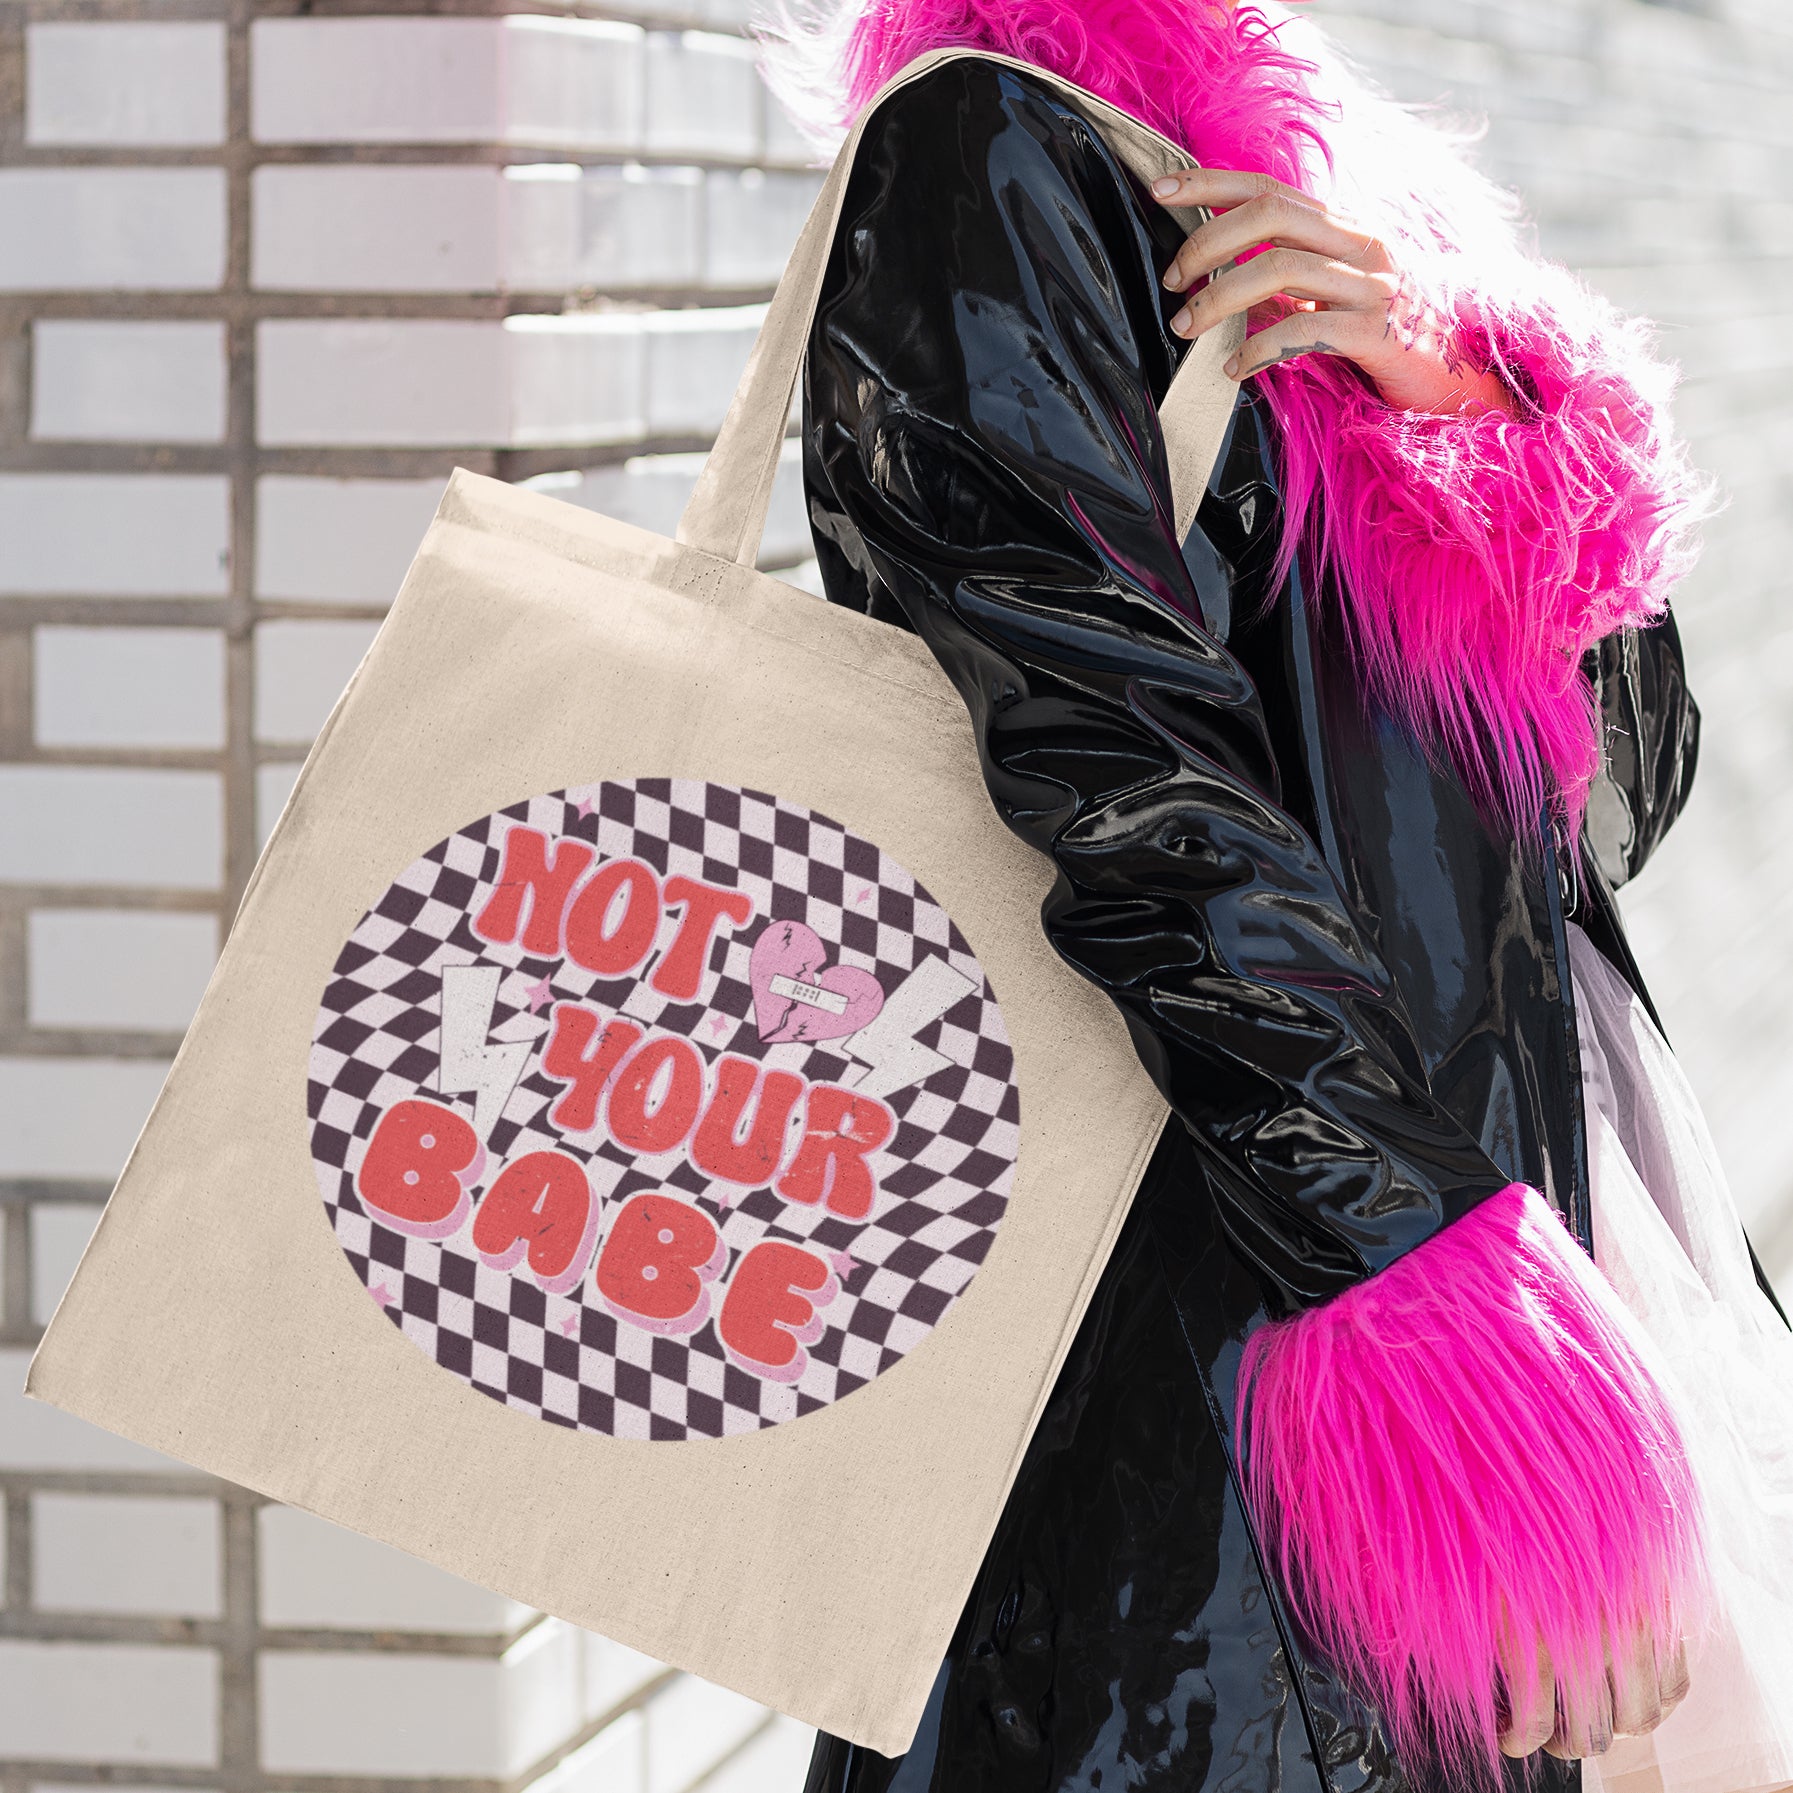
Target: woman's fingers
1285	272
1282	219
1582	1729
1216	187
1675	1679
1637	1697
1354	290
1531	1705
1354	334
1636	1691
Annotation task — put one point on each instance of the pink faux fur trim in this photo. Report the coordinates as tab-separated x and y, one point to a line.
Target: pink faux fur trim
1482	556
1469	1444
1478	557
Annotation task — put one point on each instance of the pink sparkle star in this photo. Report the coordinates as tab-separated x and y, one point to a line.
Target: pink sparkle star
381	1294
584	806
570	1325
718	1024
864	896
537	994
844	1264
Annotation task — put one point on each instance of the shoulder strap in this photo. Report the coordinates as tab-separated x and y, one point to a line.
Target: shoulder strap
727	512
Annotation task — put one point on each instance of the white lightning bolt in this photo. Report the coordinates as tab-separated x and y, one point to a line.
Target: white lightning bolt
887	1043
469	1065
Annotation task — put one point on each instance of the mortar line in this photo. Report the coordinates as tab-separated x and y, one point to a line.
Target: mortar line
18	1552
15	1242
239	769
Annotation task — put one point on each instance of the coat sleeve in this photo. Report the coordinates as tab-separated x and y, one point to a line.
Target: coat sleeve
983	450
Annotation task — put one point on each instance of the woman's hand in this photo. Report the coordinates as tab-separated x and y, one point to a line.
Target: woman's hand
1349	296
1640	1692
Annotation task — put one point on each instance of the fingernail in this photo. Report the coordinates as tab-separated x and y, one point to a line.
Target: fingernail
1165	185
1232	368
1180	323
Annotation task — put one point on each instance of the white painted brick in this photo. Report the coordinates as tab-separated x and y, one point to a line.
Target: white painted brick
776	1761
317	1574
59	1235
418	382
612	1672
710	12
273	785
147	229
149	535
695	359
692	1725
127	382
157	83
33	1436
422	1715
784	141
112	825
383	1715
575	83
754	218
377	229
126	1554
339	540
651	491
578	378
703	94
615	1761
541	1688
111	1702
73	1117
103	687
135	968
805	576
300	671
568	82
375	80
530	380
611	228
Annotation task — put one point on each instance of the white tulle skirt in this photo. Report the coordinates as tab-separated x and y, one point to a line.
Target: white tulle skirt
1667	1235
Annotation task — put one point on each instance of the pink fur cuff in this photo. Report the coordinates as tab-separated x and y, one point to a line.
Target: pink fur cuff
1462	1451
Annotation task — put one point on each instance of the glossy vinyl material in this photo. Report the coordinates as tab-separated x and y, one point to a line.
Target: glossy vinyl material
1346	982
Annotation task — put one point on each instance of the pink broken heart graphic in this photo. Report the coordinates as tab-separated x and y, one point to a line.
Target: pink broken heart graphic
813	1000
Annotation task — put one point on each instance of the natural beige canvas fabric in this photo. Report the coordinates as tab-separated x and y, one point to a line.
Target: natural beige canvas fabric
817	1565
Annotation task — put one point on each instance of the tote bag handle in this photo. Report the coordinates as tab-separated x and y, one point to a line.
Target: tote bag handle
726	515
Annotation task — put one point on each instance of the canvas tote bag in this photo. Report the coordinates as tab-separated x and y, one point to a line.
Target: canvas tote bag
638	1150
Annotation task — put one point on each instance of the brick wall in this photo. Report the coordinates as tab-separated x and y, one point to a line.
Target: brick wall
266	272
1652	141
264	278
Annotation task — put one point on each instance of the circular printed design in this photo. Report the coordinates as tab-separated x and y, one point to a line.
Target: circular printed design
662	1109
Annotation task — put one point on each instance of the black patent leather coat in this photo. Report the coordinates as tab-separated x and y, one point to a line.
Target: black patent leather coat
1350	986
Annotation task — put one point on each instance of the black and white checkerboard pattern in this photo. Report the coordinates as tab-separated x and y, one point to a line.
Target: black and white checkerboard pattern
944	1178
